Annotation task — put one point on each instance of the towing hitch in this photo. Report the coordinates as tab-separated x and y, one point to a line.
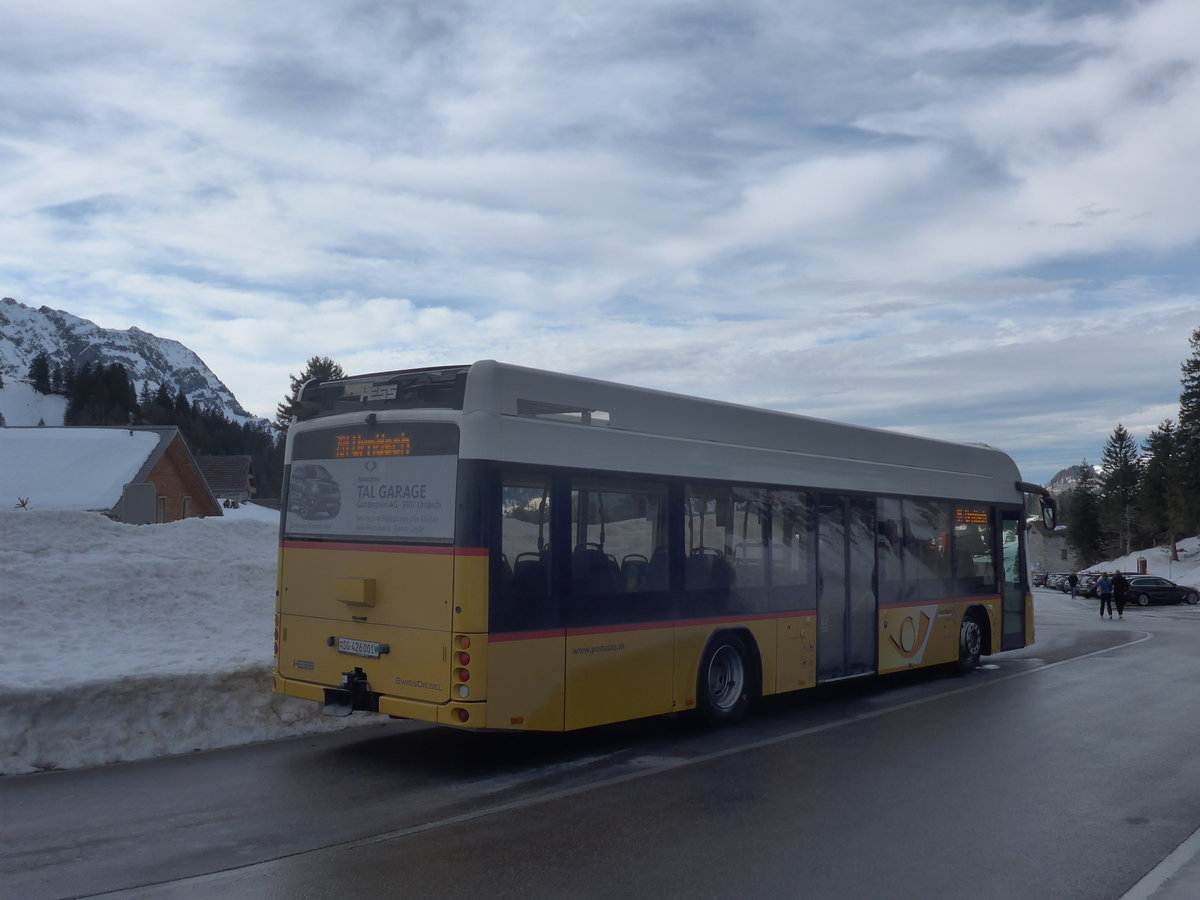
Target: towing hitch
354	693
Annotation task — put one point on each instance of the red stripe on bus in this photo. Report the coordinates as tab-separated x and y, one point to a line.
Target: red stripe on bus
384	548
643	626
525	635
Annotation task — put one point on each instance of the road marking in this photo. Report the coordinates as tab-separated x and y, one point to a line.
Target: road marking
1165	870
667	764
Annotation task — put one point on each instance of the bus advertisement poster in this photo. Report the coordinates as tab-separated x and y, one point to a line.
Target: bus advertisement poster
397	497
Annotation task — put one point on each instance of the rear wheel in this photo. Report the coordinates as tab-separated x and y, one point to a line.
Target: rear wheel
1143	599
970	645
723	690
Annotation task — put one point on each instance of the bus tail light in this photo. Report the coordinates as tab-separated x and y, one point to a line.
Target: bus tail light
462	715
462	659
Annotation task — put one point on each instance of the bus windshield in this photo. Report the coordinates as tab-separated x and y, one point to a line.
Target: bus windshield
391	481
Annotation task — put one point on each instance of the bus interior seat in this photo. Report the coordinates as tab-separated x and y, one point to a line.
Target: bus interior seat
707	568
530	574
635	572
593	571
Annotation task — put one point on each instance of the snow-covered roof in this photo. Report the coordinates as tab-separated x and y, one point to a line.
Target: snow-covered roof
75	468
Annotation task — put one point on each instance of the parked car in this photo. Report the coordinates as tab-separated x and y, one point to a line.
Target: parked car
1039	579
1147	589
1087	584
1057	581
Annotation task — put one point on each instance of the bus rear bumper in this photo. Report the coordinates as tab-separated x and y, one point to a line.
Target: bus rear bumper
396	707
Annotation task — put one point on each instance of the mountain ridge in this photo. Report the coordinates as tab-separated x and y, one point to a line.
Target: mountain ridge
149	359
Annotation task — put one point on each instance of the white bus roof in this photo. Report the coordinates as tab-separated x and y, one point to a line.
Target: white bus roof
530	416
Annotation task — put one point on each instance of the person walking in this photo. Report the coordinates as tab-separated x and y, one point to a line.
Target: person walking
1073	581
1104	588
1120	588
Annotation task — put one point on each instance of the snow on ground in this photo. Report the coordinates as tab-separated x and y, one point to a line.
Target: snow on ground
122	642
1185	570
20	404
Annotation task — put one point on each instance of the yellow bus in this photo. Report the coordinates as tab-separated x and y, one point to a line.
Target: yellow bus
493	546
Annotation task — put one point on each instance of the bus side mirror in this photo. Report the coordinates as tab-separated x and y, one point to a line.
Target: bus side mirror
1048	513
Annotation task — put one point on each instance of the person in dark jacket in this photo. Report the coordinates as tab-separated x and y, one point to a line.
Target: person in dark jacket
1120	589
1104	589
1073	582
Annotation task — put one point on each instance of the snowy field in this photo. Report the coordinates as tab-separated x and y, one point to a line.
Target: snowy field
120	642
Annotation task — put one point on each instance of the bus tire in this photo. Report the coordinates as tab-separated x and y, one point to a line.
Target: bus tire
970	644
724	684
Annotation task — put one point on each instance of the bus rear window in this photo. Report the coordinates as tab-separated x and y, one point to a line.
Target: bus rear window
412	389
388	481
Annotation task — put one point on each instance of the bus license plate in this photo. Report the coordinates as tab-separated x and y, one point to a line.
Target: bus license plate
351	647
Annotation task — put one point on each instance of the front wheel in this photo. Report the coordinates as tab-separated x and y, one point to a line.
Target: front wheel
1143	599
970	645
723	690
1193	598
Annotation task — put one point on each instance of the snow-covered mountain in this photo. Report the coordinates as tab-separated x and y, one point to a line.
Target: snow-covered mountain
25	332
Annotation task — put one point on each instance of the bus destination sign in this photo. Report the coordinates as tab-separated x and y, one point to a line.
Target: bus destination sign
357	446
971	515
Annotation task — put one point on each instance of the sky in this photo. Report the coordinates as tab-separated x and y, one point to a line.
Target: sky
178	651
974	221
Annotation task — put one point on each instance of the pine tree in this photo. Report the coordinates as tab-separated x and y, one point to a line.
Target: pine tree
1188	443
1119	483
102	396
39	372
78	396
322	368
1159	476
1083	519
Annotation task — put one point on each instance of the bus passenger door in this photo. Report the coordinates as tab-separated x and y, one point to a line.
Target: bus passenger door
1012	590
846	604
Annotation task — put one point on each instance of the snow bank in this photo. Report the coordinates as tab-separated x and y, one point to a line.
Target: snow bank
1185	570
120	642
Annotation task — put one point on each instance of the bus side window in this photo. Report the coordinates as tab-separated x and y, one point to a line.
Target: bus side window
974	556
617	528
619	561
523	597
792	551
927	559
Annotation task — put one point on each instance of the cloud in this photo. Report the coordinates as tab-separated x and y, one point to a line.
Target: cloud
899	214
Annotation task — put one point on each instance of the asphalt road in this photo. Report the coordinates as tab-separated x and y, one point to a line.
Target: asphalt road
1070	769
